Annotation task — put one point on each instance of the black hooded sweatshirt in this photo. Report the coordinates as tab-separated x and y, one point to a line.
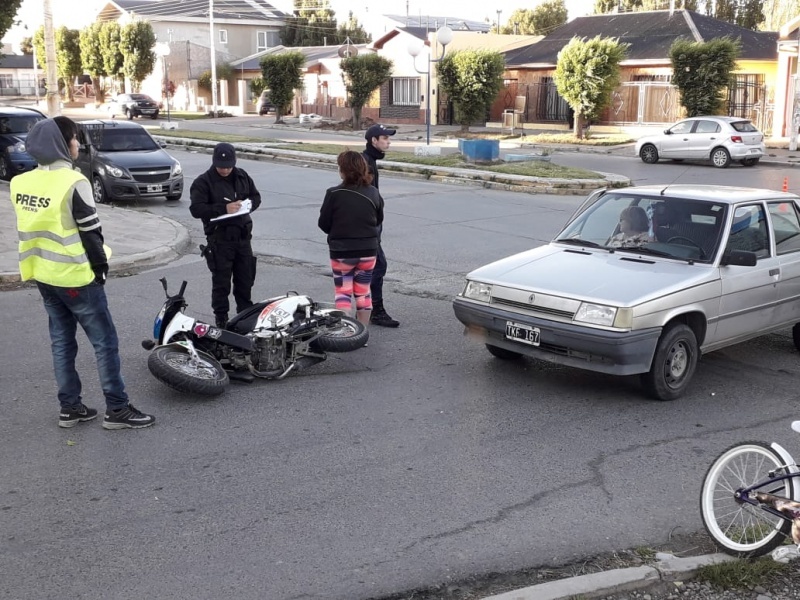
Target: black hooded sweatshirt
208	196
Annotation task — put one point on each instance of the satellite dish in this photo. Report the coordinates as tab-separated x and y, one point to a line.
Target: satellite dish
347	51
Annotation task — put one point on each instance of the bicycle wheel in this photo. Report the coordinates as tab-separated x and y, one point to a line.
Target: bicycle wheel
739	528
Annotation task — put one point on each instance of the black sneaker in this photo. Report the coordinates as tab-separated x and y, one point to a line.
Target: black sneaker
127	418
382	319
70	417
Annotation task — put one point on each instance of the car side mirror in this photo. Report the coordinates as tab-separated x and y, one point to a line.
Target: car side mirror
162	144
739	258
667	132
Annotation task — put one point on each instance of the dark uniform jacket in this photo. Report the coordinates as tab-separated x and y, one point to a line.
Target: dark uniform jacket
210	193
372	155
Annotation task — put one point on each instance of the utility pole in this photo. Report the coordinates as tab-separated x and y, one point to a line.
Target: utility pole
53	97
213	57
498	21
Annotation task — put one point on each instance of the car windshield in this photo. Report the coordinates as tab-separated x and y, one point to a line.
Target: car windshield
121	139
678	228
18	124
140	97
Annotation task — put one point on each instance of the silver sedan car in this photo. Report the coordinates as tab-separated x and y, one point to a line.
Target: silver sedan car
643	281
721	140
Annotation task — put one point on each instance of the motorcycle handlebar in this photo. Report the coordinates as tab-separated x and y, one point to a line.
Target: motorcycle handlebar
183	288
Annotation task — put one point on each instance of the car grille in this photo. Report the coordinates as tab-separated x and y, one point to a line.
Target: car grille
545	310
152	174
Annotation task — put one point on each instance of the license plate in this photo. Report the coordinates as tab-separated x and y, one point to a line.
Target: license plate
154	188
522	333
755	151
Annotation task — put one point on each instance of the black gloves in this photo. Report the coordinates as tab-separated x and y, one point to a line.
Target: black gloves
100	273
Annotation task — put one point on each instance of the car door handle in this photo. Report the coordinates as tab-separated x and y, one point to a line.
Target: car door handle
713	138
774	272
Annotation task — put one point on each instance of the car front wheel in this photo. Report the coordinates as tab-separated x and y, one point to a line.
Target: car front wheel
99	190
674	363
649	154
5	170
129	114
721	158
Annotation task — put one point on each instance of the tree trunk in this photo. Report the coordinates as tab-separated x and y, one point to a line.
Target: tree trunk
278	115
579	126
464	127
356	118
99	97
69	88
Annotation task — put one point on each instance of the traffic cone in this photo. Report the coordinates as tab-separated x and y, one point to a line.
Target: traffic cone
785	184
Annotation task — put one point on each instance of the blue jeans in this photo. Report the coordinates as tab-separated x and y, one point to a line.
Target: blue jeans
66	307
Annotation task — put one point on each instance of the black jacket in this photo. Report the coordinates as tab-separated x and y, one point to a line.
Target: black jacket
351	216
372	155
208	195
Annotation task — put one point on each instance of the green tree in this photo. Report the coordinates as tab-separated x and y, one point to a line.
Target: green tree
110	47
362	76
26	45
257	85
587	72
471	79
608	6
8	15
136	44
779	12
352	29
702	72
520	23
38	43
92	57
548	16
283	74
313	24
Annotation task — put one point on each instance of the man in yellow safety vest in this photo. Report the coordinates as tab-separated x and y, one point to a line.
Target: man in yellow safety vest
61	249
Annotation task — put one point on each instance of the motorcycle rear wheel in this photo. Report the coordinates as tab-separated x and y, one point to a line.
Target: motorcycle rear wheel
346	336
171	365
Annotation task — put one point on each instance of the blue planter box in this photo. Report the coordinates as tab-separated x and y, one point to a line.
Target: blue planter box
480	150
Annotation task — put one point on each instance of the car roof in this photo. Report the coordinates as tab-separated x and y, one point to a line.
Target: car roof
722	118
711	193
112	123
20	110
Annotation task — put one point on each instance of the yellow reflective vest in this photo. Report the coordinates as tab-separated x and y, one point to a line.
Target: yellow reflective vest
50	247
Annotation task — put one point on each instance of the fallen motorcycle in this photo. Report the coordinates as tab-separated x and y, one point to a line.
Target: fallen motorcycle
268	340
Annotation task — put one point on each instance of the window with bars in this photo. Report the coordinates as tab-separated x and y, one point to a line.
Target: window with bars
405	91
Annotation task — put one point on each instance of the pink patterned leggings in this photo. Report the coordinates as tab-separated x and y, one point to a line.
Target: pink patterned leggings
351	277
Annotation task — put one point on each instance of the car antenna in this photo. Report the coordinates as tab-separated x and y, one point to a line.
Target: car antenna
674	180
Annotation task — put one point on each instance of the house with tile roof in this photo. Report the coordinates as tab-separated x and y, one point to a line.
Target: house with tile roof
18	76
646	96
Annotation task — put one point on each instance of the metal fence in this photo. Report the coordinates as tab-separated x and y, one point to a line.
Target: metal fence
19	87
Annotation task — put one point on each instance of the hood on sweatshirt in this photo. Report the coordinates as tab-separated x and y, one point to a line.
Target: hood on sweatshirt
46	144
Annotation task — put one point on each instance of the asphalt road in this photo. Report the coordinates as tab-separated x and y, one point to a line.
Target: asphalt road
416	461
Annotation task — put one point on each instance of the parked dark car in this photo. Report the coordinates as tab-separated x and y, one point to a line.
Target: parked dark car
134	105
264	104
15	123
124	162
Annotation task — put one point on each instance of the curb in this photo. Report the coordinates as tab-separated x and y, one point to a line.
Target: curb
475	177
667	568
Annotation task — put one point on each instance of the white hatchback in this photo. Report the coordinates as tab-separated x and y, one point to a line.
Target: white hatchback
718	139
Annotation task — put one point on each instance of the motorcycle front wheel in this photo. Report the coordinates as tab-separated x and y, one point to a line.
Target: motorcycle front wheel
172	366
345	336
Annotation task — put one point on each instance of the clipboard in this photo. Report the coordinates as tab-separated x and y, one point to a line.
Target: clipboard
244	209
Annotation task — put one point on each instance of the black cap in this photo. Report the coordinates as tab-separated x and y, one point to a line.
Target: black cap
378	131
224	156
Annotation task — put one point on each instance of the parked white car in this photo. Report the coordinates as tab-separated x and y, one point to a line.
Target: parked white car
718	139
643	280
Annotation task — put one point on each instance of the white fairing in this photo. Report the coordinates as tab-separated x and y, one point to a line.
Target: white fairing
281	312
180	323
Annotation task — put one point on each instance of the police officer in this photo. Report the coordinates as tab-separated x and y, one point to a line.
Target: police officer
378	142
217	193
61	249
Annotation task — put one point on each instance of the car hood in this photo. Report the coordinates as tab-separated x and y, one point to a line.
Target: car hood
138	159
618	279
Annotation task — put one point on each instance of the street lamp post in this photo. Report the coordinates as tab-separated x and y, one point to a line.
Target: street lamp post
163	50
444	35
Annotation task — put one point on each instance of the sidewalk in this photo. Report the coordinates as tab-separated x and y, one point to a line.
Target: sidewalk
136	238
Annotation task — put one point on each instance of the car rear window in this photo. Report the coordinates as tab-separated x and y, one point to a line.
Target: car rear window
18	124
743	126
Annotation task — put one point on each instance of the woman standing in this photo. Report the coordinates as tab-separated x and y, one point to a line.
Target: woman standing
351	214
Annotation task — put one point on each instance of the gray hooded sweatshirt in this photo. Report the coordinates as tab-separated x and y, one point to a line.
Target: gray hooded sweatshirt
46	144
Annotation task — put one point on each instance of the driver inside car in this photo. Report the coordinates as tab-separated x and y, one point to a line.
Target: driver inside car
633	228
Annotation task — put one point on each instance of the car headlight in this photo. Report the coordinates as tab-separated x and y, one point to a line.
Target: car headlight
475	290
597	314
18	147
115	171
177	169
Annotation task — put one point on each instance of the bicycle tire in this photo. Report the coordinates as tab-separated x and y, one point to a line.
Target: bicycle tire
739	528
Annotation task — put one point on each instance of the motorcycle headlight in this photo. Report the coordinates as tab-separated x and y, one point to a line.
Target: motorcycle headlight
597	314
177	169
19	147
475	290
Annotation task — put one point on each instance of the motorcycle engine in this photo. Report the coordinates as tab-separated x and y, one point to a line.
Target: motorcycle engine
269	356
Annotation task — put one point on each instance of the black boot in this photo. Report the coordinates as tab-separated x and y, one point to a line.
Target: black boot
381	318
221	320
